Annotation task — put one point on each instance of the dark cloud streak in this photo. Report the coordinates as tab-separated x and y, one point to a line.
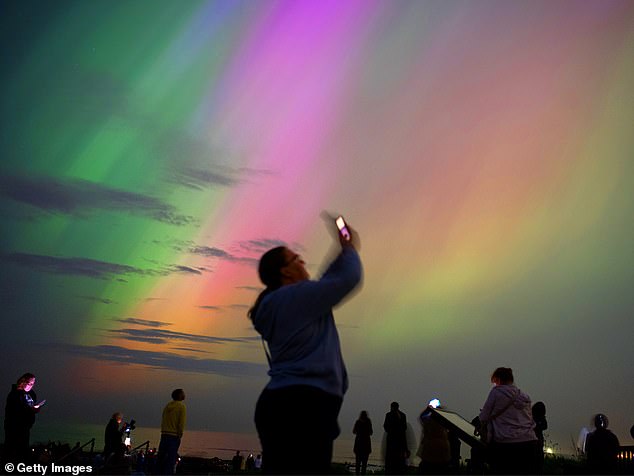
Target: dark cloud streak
90	268
80	197
97	299
71	266
161	336
212	252
166	360
143	322
200	179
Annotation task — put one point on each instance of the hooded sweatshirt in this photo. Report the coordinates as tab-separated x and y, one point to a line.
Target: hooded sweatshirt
174	416
508	409
297	322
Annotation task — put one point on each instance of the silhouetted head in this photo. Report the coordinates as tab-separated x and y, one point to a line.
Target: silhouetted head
363	415
269	268
178	394
502	376
539	411
278	267
118	416
26	382
394	406
600	421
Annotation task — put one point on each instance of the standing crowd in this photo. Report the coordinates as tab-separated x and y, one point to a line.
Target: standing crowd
294	316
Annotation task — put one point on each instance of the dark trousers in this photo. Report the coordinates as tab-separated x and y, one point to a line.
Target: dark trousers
515	458
297	426
361	463
16	445
167	453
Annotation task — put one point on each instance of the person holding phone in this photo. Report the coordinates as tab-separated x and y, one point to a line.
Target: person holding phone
19	417
296	413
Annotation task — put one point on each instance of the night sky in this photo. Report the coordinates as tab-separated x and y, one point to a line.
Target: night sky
153	150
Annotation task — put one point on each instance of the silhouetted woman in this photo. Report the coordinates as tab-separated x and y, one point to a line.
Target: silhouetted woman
113	435
19	417
362	442
296	414
507	412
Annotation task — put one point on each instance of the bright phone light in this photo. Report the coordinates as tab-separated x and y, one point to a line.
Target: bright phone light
435	403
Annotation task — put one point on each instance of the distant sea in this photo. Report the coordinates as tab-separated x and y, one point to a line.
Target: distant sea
205	444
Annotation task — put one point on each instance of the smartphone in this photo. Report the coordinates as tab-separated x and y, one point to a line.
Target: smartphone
343	228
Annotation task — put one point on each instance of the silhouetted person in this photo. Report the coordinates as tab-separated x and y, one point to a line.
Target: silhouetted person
249	464
172	428
541	425
602	448
396	452
511	430
362	442
113	435
296	414
434	450
236	461
19	417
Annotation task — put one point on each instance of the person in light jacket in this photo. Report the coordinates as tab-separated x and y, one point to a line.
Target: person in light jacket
514	447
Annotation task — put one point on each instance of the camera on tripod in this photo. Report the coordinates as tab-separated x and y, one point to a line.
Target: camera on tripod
128	427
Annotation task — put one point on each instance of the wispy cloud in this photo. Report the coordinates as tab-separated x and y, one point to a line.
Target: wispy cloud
202	177
90	268
166	360
186	269
197	164
97	299
162	336
189	349
224	308
254	289
211	308
71	266
244	252
81	198
143	322
212	252
199	178
260	246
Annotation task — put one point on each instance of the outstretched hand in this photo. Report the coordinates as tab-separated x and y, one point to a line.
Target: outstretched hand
354	240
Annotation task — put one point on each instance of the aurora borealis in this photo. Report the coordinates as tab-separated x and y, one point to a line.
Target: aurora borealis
483	150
